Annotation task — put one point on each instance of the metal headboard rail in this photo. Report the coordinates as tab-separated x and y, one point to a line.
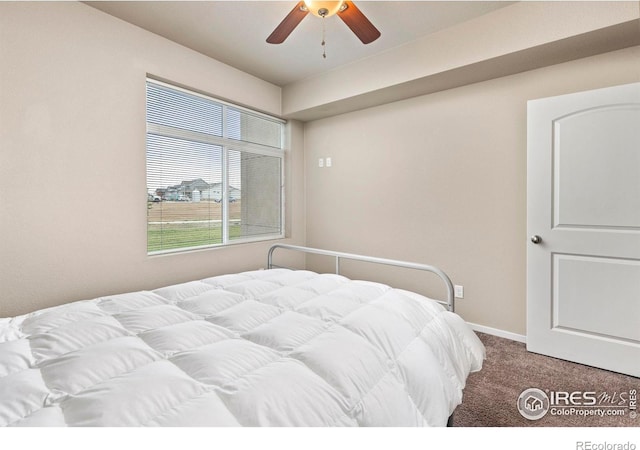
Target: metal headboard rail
449	304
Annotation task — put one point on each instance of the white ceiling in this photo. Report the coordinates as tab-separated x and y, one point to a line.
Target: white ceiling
234	32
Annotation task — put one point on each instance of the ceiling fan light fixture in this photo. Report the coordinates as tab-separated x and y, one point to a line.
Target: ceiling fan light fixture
324	9
347	11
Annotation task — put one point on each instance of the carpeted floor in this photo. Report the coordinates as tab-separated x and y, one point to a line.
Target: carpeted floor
491	395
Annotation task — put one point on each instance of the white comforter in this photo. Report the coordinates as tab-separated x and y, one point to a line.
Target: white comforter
262	348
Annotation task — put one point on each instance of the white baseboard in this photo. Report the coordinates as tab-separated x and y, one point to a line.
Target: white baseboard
500	333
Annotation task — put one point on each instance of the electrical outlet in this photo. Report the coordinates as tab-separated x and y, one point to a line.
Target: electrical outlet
328	162
321	162
458	291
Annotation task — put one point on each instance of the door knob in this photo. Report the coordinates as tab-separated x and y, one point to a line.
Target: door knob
536	239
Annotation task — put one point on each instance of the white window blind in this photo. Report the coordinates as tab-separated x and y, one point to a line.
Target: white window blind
214	172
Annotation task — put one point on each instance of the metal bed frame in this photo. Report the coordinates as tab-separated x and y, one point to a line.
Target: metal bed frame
449	304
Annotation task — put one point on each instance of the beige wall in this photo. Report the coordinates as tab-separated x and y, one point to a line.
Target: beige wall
441	179
72	155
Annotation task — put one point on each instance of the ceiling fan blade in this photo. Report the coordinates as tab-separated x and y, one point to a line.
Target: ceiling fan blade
288	24
359	23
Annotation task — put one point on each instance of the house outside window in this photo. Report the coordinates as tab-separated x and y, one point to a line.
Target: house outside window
214	172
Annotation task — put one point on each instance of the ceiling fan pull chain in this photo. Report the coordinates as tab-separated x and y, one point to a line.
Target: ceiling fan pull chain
324	44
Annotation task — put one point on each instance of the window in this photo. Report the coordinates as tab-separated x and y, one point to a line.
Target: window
214	172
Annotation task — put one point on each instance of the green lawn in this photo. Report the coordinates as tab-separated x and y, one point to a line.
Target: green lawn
168	237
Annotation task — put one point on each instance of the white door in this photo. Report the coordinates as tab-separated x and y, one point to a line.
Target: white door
583	222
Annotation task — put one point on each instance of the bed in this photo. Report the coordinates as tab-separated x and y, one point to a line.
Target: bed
275	347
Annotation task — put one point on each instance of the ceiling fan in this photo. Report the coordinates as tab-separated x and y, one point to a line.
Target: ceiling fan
347	11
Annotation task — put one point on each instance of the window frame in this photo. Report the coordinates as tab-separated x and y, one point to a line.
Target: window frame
227	145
